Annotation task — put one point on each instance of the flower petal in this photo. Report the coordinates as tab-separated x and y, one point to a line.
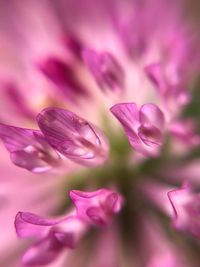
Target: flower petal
128	115
73	137
105	69
69	231
28	148
96	207
63	76
185	204
52	235
155	74
42	253
150	135
28	224
151	114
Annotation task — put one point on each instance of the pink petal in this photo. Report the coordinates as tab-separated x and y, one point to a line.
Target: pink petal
29	224
105	69
63	76
73	136
151	114
127	114
42	253
150	135
185	204
155	74
139	135
98	206
28	148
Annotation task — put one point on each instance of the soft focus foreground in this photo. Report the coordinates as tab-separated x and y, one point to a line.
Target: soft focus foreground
99	129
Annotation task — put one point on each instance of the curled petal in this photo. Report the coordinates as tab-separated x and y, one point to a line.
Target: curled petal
185	204
97	207
28	148
151	114
105	68
52	235
69	231
28	224
127	114
142	126
73	137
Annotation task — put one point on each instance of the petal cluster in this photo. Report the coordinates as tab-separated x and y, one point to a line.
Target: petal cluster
53	235
62	132
73	136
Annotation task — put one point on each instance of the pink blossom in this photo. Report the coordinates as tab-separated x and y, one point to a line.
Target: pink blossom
73	76
144	127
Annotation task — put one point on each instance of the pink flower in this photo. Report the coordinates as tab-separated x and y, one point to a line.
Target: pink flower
73	76
106	70
97	207
53	235
144	127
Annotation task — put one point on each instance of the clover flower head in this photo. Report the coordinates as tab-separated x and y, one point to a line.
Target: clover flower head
99	99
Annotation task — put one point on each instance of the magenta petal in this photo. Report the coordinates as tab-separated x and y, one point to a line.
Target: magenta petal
73	44
113	202
18	100
150	135
155	74
63	76
105	69
143	127
128	115
29	224
30	162
171	90
185	204
28	148
51	235
96	216
151	114
44	252
66	239
73	137
96	207
70	231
